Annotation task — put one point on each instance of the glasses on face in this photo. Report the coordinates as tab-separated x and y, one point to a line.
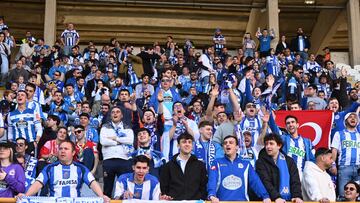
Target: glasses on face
350	188
78	131
165	80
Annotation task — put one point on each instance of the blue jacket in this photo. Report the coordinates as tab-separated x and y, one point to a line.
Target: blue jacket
227	180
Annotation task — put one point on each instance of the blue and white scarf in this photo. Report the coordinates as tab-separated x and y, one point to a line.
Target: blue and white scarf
284	186
205	152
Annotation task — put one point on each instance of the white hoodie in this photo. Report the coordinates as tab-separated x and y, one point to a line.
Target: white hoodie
317	184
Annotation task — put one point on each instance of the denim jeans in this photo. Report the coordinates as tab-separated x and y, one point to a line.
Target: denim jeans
345	174
249	52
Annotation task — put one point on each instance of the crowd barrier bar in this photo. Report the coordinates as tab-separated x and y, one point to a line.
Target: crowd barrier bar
13	200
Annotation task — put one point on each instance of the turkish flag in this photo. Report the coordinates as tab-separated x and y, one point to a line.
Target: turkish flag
315	125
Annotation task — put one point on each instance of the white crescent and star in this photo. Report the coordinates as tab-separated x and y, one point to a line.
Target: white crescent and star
318	131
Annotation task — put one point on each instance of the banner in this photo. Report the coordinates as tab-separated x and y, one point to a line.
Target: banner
34	199
315	125
161	201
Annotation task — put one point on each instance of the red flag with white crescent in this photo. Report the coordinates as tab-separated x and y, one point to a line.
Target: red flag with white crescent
315	125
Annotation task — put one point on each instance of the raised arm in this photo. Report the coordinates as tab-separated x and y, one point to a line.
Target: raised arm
213	96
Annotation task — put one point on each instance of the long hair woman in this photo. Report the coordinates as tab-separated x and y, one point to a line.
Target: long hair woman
12	175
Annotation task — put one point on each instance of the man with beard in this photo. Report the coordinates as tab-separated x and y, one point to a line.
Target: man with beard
293	84
317	184
59	107
27	50
197	111
300	44
346	144
353	96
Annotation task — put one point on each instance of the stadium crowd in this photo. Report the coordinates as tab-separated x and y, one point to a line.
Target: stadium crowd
172	123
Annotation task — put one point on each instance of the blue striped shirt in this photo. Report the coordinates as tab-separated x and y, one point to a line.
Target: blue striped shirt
348	145
24	124
148	190
70	37
65	180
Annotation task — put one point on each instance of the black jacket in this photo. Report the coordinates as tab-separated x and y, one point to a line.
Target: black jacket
188	186
280	47
294	46
270	175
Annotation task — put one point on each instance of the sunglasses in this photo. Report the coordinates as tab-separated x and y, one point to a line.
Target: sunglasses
349	188
78	131
165	80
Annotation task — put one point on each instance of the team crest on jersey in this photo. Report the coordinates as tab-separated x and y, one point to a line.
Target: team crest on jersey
213	168
21	124
240	165
66	175
12	172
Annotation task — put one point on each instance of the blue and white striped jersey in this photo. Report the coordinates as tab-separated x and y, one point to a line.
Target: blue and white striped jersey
37	108
312	66
273	65
70	37
253	125
39	96
148	190
297	152
24	124
65	180
218	46
348	145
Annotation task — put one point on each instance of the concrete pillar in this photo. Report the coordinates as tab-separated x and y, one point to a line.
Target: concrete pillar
273	19
50	22
325	28
353	15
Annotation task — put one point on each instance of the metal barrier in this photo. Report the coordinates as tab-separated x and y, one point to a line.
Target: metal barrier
13	200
